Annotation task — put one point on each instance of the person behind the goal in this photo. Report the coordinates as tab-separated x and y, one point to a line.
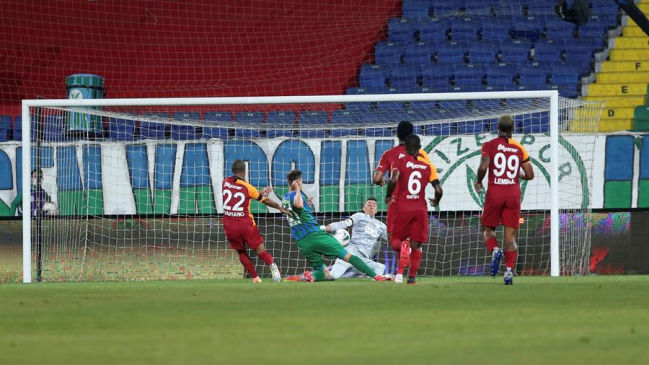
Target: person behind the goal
404	129
312	242
503	158
408	177
239	224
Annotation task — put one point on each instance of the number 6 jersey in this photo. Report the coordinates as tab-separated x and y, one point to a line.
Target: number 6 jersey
411	187
505	159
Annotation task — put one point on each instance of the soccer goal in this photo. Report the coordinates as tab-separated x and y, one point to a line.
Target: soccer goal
130	189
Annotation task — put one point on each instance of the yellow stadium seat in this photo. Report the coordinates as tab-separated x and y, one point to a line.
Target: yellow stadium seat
631	42
617	77
629	54
633	32
637	89
624	66
618	101
608	113
615	125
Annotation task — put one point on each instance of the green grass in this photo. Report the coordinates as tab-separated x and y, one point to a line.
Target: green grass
540	320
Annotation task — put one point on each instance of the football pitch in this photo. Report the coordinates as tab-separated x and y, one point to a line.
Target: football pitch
468	320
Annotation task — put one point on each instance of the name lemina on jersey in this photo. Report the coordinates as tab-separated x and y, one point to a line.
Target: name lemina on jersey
503	181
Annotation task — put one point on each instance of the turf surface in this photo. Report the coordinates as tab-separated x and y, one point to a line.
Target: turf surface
540	320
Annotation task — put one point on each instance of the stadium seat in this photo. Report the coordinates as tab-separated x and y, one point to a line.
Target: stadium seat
256	118
473	127
5	127
151	129
420	53
547	53
388	53
415	9
538	7
483	52
357	106
250	124
450	53
531	28
495	30
313	118
441	129
508	8
432	30
559	29
404	77
401	30
436	77
501	76
212	119
18	128
602	7
479	8
446	8
186	132
373	76
533	78
464	30
54	127
121	129
280	118
468	75
515	51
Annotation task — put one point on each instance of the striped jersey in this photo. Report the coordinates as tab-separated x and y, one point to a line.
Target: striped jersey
302	221
366	232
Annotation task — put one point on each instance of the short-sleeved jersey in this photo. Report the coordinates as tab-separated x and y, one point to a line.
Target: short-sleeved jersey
236	201
302	221
411	185
505	159
396	153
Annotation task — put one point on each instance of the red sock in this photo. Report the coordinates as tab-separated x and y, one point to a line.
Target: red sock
510	259
415	261
266	257
400	270
491	244
247	264
395	243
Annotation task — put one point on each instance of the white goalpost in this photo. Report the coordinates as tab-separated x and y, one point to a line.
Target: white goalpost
136	196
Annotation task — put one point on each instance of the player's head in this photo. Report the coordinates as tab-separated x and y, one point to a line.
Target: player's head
294	175
239	168
506	125
404	129
370	207
412	144
36	175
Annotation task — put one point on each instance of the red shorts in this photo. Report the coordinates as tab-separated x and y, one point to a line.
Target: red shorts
239	235
392	215
411	224
501	209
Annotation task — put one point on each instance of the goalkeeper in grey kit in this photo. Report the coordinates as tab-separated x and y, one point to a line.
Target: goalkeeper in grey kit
364	242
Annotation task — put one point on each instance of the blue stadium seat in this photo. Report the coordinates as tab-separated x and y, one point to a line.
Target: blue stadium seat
401	30
54	128
432	30
420	53
600	7
533	78
465	30
447	8
404	77
473	127
313	117
483	52
539	7
281	117
468	75
450	53
5	127
531	28
415	9
256	118
186	132
559	29
501	76
580	51
373	76
563	75
547	52
515	51
388	53
121	129
508	8
495	30
18	128
216	124
436	77
151	129
275	133
441	129
595	28
479	8
357	106
250	122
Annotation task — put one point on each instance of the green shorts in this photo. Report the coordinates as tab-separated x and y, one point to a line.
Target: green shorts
318	244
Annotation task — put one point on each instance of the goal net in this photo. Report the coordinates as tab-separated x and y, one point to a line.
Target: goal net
130	189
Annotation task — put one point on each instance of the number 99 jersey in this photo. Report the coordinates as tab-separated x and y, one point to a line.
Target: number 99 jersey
503	202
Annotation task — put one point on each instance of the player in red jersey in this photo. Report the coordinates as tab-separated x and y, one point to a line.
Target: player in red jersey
387	159
504	158
240	226
408	177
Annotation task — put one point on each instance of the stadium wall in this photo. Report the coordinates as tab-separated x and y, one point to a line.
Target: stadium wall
336	173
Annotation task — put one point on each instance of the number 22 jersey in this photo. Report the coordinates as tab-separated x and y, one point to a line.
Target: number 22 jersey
505	158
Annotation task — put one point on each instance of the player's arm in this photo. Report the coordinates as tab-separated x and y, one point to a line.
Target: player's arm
394	177
382	167
526	166
344	224
298	202
482	170
439	192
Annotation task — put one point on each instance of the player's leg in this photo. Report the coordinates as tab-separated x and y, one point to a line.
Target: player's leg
491	214
398	245
340	268
419	235
237	243
256	242
511	221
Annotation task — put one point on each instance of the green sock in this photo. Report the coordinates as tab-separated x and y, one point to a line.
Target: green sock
361	266
319	275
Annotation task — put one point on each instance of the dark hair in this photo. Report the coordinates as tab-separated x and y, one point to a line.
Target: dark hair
412	143
368	199
506	123
238	166
404	129
293	175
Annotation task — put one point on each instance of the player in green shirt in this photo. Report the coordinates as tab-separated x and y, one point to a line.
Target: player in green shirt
311	241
